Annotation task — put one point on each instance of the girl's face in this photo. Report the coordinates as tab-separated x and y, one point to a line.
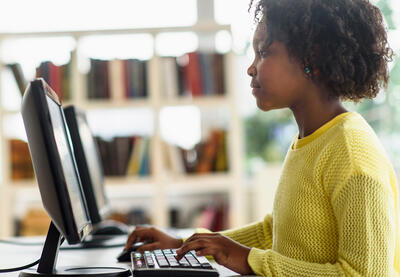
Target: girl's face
278	80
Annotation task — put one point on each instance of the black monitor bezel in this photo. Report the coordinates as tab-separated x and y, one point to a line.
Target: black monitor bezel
39	90
96	215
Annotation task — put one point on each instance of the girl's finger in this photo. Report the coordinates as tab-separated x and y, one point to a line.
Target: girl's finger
149	247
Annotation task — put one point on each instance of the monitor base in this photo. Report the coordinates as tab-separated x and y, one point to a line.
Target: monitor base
81	271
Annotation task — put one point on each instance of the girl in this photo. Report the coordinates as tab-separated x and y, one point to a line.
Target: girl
336	207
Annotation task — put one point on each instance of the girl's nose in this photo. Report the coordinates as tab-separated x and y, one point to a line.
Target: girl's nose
251	71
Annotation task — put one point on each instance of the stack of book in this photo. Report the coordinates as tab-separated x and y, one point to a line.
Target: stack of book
117	79
134	216
21	163
213	217
206	157
194	74
58	77
125	156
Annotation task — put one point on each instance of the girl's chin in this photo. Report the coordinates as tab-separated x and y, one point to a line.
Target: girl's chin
264	106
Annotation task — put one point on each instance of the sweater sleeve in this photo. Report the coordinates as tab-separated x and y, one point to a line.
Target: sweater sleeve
364	209
258	234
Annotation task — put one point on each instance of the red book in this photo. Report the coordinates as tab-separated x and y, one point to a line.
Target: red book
127	77
55	79
195	81
58	81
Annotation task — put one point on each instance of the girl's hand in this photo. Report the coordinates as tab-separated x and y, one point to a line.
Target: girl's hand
224	250
158	238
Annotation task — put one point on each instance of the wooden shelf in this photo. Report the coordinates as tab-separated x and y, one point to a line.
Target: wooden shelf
202	101
129	181
200	183
91	104
23	184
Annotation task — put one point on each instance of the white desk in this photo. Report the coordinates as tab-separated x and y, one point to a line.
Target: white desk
15	256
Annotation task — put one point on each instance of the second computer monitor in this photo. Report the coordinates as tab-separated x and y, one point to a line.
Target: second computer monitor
89	163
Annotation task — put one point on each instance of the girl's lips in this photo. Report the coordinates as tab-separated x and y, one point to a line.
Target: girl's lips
254	90
253	85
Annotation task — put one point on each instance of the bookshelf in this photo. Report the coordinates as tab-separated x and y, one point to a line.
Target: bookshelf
159	186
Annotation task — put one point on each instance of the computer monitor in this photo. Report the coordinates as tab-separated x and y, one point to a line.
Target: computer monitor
58	179
91	172
88	162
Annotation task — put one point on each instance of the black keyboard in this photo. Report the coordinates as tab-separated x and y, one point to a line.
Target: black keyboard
164	263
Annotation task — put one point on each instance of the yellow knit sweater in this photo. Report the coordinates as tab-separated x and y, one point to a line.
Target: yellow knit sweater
335	210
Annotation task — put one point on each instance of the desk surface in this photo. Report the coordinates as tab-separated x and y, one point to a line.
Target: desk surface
16	255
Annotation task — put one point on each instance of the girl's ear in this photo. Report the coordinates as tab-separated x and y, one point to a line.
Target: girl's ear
309	69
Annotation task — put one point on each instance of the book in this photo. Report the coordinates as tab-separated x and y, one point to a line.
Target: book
98	80
170	80
193	75
212	216
207	72
137	78
144	79
117	79
208	154
127	77
173	158
134	159
21	163
65	81
19	76
138	163
58	77
221	157
219	80
144	168
122	156
122	149
200	74
34	223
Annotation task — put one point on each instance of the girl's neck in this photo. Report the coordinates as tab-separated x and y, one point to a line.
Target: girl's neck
311	115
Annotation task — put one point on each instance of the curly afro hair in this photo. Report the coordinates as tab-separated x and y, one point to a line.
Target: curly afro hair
344	41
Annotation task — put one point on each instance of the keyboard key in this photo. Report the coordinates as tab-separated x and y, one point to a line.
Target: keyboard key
183	262
202	259
149	261
206	265
163	263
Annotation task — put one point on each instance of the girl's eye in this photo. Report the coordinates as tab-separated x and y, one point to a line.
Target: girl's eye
262	53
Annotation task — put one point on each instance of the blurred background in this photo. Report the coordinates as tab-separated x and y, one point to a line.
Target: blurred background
165	90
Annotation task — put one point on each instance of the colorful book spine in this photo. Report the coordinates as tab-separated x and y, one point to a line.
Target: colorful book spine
197	74
21	163
57	76
122	156
117	79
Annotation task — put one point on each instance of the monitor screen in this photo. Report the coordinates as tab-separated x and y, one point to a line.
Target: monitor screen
63	143
89	163
93	160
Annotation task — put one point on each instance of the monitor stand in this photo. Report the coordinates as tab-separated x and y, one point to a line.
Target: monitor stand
100	241
48	260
